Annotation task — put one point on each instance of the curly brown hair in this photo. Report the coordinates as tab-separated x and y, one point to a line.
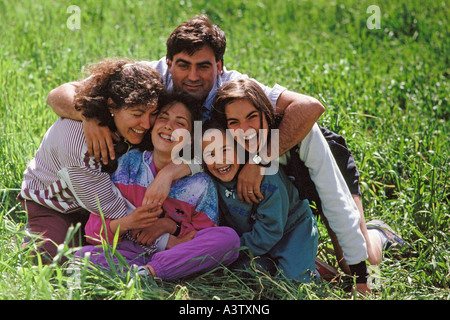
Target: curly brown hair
117	84
193	35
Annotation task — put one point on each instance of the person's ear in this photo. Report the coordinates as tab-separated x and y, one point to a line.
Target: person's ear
219	66
169	65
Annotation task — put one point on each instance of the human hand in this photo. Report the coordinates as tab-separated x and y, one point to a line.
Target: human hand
249	183
99	140
147	235
173	241
158	190
140	218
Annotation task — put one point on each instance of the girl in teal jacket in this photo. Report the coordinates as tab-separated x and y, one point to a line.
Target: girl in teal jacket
281	227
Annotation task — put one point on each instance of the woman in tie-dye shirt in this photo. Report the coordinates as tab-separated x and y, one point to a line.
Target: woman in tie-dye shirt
190	213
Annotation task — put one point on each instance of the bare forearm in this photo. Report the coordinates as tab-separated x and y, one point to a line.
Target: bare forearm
177	171
61	100
119	224
300	113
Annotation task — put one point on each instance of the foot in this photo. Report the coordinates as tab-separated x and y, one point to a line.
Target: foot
391	238
146	270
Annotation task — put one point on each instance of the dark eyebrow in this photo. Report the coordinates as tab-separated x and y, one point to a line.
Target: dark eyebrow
203	63
181	117
181	60
251	113
176	117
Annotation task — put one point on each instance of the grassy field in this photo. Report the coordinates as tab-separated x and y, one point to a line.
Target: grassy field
385	89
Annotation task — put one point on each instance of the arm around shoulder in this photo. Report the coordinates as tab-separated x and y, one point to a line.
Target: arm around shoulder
299	114
61	100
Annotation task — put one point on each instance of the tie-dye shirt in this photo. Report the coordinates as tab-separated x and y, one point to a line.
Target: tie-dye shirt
192	200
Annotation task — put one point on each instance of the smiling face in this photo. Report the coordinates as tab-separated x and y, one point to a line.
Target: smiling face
133	122
219	155
169	119
245	122
196	73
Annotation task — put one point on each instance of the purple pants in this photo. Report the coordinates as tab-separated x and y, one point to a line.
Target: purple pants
209	248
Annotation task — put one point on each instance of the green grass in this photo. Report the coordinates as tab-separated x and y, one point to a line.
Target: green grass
386	90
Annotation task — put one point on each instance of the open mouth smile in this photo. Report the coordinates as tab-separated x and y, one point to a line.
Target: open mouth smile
224	170
250	137
138	131
167	137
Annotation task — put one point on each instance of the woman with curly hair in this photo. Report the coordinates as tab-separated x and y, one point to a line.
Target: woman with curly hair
63	184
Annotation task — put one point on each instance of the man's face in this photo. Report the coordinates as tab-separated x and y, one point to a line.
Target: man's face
195	74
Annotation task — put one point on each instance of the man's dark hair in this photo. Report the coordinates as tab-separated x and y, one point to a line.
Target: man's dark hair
193	35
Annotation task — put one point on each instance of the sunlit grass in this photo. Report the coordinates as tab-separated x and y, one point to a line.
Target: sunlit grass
386	90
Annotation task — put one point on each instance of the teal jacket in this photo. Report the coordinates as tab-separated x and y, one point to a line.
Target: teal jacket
260	228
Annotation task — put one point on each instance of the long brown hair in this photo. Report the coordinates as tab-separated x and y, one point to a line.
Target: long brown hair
243	89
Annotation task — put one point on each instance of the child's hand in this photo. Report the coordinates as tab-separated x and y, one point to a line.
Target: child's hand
173	241
141	217
147	235
144	216
158	190
249	184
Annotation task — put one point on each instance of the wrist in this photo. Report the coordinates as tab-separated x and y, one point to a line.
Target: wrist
177	229
260	161
120	224
170	226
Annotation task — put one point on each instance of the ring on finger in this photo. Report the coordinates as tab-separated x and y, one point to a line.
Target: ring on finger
250	192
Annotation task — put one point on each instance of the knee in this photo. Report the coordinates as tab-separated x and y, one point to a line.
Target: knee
234	244
374	257
226	240
222	235
232	237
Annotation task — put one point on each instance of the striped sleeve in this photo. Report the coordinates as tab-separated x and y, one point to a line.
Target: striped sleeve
94	191
63	177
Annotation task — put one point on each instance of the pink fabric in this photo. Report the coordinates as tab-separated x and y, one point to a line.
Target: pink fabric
93	228
179	211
